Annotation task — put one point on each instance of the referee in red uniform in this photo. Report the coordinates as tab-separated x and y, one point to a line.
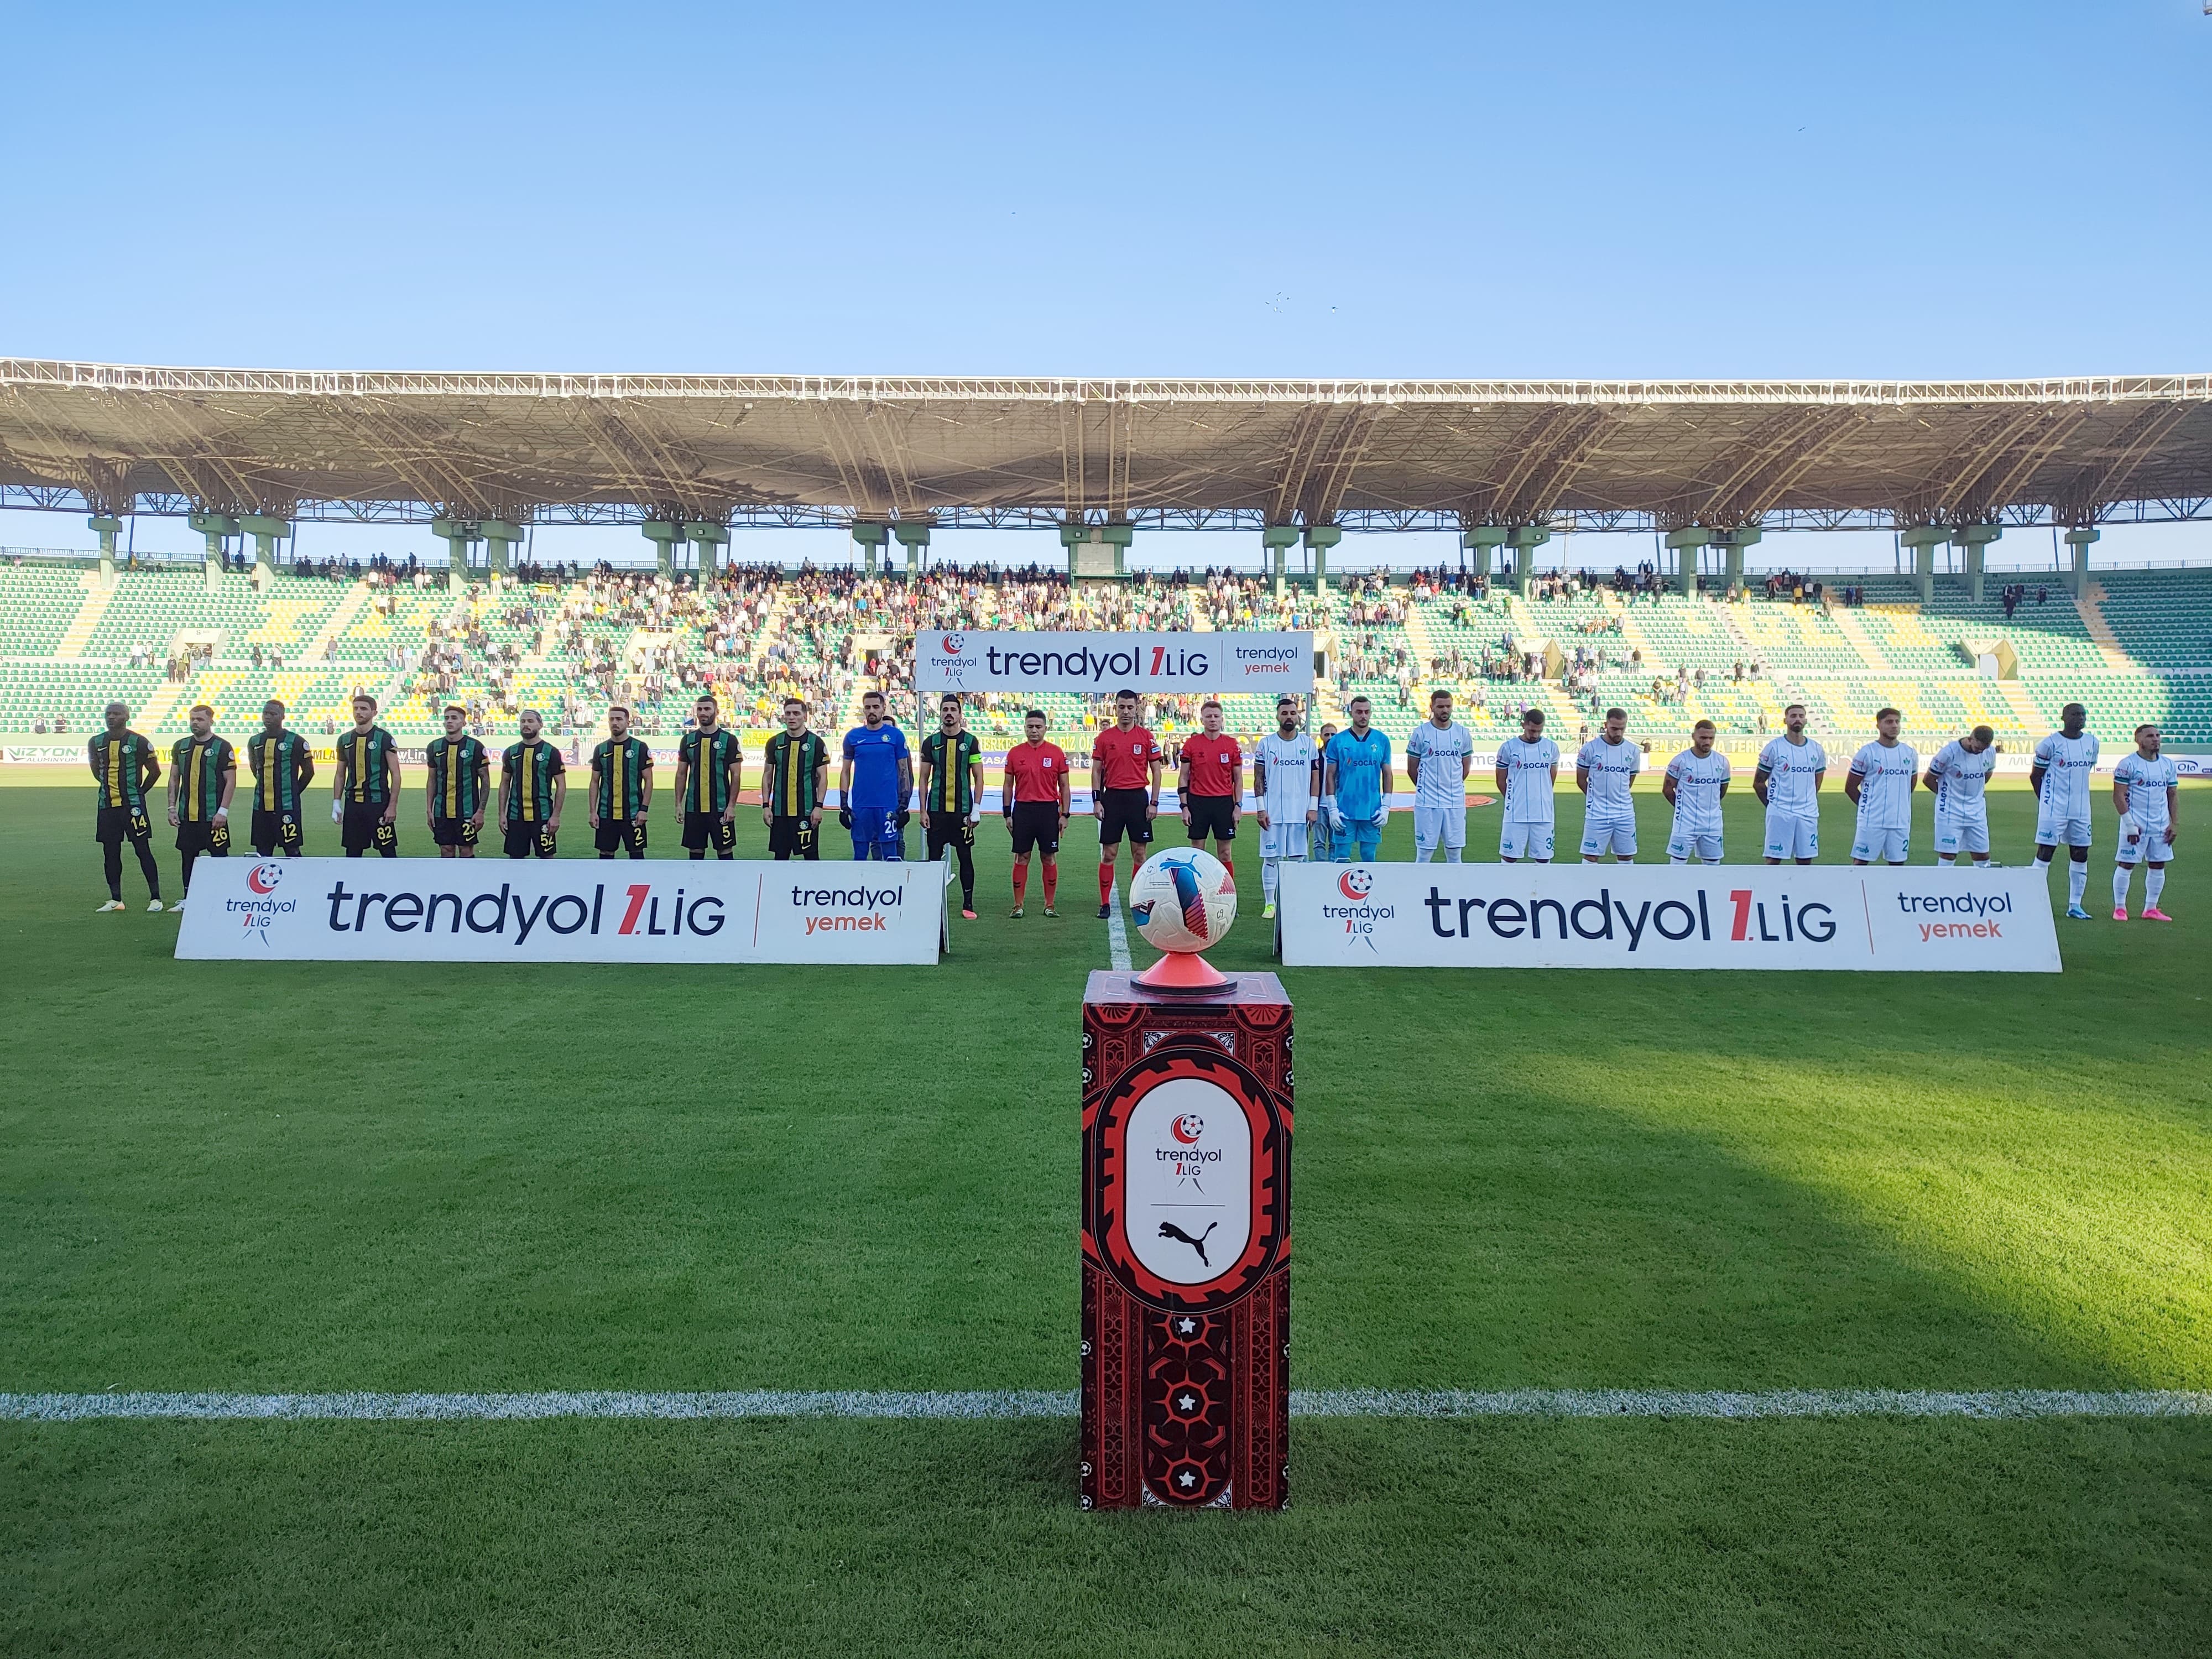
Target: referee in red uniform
1035	798
1210	784
1125	792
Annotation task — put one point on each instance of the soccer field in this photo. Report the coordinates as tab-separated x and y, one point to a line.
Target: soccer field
328	1178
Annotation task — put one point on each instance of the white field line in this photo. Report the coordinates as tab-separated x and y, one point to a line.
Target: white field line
1117	936
1993	1405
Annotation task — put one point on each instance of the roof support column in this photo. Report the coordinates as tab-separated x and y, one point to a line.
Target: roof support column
1483	540
1320	538
913	538
107	527
1733	541
1275	541
267	532
709	540
458	534
217	527
2077	574
1685	542
499	537
666	535
1970	540
872	540
1924	540
1524	539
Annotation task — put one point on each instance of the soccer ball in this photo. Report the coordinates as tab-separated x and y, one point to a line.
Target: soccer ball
1182	900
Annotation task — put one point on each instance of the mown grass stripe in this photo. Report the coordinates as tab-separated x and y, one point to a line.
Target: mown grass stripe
1995	1404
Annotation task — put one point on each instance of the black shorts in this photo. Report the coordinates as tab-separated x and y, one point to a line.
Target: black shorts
615	834
210	835
274	830
1035	823
455	832
705	829
364	829
1124	811
526	839
793	838
117	824
1211	815
947	829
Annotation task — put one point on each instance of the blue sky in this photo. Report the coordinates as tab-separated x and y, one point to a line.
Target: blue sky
1862	189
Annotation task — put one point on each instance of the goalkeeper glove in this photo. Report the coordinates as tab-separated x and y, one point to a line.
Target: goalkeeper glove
905	817
845	816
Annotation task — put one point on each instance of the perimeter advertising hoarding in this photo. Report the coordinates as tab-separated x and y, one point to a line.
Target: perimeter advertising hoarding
562	910
1099	664
1920	918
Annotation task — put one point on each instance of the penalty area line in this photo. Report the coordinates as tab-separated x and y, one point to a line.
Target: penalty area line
1998	1404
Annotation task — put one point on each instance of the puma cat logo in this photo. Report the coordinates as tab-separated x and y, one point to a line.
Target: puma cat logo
1169	1229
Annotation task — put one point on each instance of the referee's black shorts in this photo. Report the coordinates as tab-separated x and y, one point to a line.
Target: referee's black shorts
1211	815
1124	811
1036	824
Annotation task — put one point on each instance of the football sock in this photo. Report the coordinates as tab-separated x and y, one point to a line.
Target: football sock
111	860
1452	854
2078	882
1230	865
966	874
1051	881
608	857
1671	858
2122	875
151	870
186	860
1106	883
1268	878
2154	884
1949	860
696	855
1423	854
1021	880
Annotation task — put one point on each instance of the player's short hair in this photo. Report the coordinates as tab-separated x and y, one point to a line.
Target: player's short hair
1798	706
454	708
538	712
277	703
1357	701
363	696
2147	726
202	708
1532	717
1616	713
795	702
1983	734
1034	715
1287	697
1441	691
1125	692
2073	708
1210	702
866	695
1705	726
1882	714
952	697
704	696
618	708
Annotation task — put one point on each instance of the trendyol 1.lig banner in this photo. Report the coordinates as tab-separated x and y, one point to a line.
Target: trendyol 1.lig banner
1608	915
562	910
1099	664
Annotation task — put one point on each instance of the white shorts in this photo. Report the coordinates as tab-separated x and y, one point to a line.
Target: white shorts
1882	846
1956	836
1705	848
1790	837
1609	835
1285	840
1526	840
1439	825
2139	845
2054	831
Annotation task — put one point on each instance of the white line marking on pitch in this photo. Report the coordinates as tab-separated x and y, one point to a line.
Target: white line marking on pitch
1117	936
1989	1404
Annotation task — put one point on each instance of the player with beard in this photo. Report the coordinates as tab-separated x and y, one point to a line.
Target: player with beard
622	789
1286	783
365	787
710	768
533	787
952	794
202	775
457	780
2147	790
1787	785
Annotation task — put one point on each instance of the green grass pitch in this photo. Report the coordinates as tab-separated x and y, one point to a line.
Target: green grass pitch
323	1178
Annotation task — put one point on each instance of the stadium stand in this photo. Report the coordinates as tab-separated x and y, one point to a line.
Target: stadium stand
571	641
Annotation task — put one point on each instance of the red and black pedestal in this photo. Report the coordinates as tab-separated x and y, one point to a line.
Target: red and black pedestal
1186	1245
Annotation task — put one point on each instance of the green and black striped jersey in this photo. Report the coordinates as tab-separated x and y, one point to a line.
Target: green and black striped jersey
282	767
948	759
793	766
528	769
118	761
709	755
619	773
364	755
197	769
456	775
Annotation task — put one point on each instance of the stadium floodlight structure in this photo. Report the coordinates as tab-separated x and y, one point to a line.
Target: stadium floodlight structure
1499	461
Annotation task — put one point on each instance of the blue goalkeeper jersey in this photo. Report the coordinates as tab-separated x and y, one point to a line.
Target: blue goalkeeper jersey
876	754
1359	763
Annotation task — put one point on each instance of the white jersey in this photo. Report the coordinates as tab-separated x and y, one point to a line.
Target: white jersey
2068	763
1288	795
1528	768
1443	752
1960	778
2147	780
1792	769
1613	767
1885	773
1698	785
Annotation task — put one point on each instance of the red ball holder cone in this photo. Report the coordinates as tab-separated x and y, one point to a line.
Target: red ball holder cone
1184	974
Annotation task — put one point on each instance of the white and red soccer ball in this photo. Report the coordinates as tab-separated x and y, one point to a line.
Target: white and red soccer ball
1182	900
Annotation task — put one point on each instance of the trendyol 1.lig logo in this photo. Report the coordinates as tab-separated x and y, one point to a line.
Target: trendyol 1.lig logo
1356	884
263	877
953	642
1188	1128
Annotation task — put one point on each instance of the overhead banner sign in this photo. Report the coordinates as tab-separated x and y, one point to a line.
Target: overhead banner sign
1590	915
1099	664
562	910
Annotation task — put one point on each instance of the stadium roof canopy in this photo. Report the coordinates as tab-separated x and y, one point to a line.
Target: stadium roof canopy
1373	455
